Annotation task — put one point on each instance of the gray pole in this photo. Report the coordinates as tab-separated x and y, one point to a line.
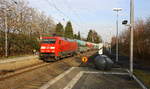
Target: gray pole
110	48
117	38
110	43
131	34
117	10
6	42
6	30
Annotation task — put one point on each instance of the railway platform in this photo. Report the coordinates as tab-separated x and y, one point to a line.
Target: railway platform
90	78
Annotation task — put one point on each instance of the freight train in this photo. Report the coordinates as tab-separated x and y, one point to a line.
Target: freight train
55	48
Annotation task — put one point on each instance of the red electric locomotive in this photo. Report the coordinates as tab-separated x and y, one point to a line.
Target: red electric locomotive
56	48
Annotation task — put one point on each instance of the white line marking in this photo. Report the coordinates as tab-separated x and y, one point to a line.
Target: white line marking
117	73
138	81
51	82
74	80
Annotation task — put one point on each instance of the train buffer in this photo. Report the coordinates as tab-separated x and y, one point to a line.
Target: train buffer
90	78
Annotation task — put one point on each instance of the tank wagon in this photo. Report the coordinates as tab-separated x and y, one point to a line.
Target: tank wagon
82	46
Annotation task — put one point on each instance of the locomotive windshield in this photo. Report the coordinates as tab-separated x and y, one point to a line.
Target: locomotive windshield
48	41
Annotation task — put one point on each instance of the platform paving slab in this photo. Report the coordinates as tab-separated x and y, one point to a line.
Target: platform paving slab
90	78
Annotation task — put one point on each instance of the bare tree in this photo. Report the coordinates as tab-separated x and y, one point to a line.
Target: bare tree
25	25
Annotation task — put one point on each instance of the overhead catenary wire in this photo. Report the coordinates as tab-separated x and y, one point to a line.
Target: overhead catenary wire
54	6
73	11
61	12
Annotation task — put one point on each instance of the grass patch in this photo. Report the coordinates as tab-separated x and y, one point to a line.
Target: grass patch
144	76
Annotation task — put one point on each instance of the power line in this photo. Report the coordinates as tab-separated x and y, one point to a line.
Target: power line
54	5
71	9
75	13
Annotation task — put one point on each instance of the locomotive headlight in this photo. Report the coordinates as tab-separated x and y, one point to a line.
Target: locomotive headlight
52	47
43	47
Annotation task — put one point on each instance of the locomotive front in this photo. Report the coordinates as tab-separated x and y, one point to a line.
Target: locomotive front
48	48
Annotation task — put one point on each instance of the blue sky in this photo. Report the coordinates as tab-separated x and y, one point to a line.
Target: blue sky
92	14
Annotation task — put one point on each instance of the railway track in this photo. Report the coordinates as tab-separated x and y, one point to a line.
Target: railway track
34	76
5	74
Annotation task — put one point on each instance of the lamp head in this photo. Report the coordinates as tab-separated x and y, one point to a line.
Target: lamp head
124	22
117	9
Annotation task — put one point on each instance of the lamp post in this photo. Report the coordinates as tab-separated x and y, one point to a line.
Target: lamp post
6	37
6	29
131	25
117	10
63	30
110	43
131	33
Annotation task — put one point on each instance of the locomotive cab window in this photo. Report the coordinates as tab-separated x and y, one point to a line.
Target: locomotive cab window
49	41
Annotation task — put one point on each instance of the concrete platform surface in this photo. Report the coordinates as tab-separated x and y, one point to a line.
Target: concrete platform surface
90	78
